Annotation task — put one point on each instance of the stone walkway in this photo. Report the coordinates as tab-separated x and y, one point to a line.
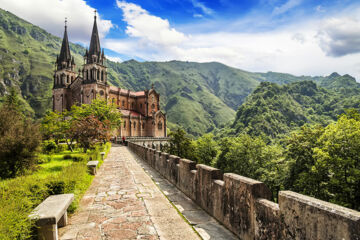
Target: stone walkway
126	200
124	203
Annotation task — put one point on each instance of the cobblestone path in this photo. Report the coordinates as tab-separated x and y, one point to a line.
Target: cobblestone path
124	203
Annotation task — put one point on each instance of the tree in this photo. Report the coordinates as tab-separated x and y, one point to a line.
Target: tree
337	157
181	145
94	121
206	149
19	141
89	130
299	155
251	157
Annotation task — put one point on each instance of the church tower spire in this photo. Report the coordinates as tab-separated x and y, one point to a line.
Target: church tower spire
65	64
65	55
94	69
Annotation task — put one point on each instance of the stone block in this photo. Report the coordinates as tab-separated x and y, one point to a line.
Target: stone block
240	194
186	179
203	181
309	218
268	224
172	169
217	197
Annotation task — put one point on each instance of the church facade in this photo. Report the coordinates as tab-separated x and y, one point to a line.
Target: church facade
141	114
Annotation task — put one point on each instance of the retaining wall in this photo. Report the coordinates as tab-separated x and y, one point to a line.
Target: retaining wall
242	204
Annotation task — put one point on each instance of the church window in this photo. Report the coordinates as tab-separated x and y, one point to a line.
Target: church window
134	125
102	75
67	79
124	124
98	74
72	79
160	125
143	125
101	93
123	103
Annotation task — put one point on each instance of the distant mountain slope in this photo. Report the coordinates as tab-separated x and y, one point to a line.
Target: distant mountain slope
197	96
274	110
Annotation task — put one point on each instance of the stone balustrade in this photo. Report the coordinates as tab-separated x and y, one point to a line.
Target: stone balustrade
243	205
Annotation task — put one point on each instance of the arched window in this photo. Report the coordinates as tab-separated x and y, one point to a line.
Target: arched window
124	124
67	79
88	74
102	75
98	75
134	125
123	103
160	125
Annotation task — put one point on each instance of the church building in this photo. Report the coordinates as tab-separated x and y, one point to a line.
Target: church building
141	114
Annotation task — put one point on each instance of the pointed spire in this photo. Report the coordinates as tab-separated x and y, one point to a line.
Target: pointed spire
94	48
65	55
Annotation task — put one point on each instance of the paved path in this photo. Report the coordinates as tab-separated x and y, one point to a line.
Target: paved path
126	200
124	203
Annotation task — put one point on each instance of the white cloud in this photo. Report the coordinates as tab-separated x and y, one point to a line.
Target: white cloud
286	7
114	59
293	50
50	15
151	29
340	36
202	6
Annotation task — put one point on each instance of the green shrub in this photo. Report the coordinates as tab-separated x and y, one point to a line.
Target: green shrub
67	156
49	146
55	187
79	157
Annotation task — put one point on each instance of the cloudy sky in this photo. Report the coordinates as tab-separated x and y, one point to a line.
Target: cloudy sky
302	37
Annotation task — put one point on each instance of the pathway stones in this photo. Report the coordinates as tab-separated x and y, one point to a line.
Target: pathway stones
124	203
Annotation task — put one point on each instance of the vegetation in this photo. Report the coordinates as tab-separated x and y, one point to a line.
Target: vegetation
273	110
198	97
54	175
86	124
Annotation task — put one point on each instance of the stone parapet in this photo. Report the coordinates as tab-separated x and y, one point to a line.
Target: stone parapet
242	204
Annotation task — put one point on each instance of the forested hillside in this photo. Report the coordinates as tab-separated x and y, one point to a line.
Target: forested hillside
273	110
199	97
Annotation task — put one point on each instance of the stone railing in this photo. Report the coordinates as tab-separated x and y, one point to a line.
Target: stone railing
242	204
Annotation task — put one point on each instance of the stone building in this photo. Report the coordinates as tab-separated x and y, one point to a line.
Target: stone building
141	114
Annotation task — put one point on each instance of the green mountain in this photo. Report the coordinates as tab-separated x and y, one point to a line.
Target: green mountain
274	110
197	96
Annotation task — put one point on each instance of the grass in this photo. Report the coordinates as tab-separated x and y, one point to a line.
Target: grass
55	175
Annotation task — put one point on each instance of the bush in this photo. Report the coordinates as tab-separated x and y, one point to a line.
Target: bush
49	146
79	158
19	141
67	156
55	187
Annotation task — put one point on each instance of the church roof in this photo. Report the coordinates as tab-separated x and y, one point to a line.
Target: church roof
94	48
65	49
129	112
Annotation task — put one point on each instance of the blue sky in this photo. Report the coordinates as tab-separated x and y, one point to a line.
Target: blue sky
302	37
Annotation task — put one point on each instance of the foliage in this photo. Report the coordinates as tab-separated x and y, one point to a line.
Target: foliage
180	144
251	157
205	149
19	196
19	141
85	124
273	110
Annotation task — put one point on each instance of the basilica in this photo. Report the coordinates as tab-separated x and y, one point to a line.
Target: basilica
141	114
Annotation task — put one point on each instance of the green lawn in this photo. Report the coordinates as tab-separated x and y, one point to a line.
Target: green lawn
55	175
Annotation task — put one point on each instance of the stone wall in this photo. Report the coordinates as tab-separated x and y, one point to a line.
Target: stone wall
242	204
